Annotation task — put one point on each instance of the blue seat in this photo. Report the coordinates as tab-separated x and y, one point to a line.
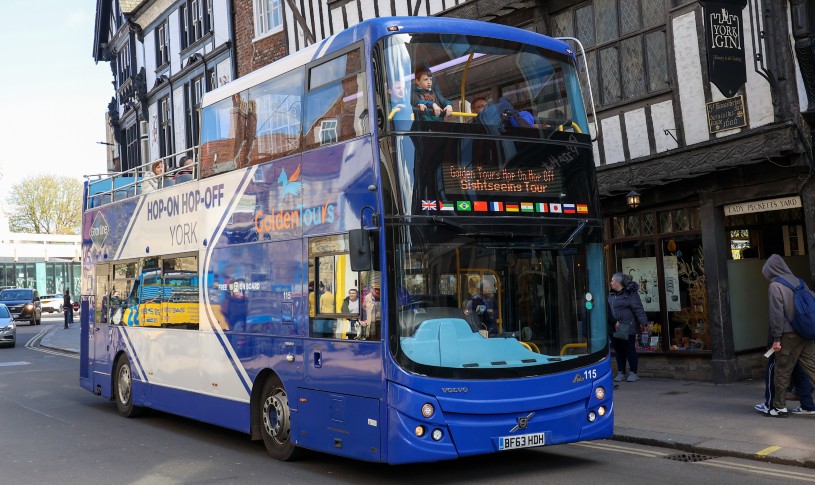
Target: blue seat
184	177
168	182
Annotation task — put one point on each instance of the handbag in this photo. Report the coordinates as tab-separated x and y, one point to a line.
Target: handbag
622	331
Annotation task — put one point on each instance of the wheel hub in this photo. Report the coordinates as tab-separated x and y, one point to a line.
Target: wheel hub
276	416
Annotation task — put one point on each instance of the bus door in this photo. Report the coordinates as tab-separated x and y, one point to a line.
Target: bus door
343	356
98	326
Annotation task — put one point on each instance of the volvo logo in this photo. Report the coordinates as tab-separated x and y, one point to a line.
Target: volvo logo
523	422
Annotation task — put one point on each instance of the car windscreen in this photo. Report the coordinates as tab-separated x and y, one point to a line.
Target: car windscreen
15	295
4	312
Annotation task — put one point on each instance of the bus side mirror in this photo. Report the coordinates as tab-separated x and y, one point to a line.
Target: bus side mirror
360	249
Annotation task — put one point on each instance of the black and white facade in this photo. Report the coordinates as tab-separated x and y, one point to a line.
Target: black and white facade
164	55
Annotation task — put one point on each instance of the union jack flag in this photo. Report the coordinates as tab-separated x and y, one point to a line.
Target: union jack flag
428	205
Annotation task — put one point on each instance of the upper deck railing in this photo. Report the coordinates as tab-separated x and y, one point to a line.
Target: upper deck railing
107	188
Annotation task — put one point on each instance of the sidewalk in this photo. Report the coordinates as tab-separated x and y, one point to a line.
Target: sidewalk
690	416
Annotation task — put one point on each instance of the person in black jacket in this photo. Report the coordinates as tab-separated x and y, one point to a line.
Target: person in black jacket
67	307
626	310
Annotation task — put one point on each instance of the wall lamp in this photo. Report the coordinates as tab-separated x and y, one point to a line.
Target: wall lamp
633	199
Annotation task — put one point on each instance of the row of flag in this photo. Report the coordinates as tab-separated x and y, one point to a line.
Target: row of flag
484	206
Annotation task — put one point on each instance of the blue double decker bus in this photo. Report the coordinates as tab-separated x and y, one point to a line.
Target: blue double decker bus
391	251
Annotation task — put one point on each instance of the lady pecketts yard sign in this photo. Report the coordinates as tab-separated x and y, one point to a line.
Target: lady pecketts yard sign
725	44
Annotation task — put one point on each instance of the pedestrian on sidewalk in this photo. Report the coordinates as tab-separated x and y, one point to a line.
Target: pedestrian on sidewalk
800	381
66	307
790	347
628	316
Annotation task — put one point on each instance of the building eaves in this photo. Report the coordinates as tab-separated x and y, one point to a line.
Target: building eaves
130	6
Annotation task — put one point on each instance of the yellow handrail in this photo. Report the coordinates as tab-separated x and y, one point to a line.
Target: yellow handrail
572	346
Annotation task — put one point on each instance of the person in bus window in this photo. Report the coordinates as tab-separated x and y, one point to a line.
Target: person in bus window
483	305
477	106
350	305
324	327
153	179
399	105
373	313
429	101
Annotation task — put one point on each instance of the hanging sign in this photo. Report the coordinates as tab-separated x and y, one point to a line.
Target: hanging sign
724	39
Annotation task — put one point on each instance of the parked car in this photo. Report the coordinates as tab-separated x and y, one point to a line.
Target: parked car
23	304
8	329
51	303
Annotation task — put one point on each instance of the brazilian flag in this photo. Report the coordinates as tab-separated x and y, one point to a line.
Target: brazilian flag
464	205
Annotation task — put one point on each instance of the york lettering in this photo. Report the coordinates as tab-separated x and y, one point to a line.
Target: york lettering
183	234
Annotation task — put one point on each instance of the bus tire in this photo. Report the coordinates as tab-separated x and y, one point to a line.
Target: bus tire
275	421
123	389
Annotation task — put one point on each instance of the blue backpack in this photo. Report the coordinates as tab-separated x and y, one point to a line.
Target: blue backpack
803	322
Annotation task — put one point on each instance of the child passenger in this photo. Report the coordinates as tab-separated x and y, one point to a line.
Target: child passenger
427	100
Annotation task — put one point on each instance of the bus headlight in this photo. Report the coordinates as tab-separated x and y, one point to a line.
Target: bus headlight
600	393
592	417
601	411
420	431
437	435
428	410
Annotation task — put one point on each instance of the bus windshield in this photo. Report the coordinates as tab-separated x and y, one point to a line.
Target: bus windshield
504	85
489	305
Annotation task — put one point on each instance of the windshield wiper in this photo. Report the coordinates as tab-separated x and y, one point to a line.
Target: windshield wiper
574	234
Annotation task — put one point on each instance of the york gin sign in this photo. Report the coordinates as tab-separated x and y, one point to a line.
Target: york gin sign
724	30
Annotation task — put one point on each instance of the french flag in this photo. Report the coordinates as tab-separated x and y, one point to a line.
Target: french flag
497	206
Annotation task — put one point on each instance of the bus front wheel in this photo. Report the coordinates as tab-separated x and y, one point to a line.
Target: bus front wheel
275	420
123	390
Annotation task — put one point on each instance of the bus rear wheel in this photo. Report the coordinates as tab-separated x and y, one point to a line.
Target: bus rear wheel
275	421
123	389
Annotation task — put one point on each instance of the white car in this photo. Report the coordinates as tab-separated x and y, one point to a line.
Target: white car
51	303
8	329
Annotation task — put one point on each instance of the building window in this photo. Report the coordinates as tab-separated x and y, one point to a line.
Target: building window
123	69
193	94
165	127
625	43
131	155
268	17
328	132
195	17
162	44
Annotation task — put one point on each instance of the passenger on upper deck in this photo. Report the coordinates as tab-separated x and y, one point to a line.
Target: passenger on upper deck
154	179
478	104
185	173
426	98
398	101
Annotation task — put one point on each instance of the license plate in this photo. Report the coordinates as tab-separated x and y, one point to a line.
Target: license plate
521	441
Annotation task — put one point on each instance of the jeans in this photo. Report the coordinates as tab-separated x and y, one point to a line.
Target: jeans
626	350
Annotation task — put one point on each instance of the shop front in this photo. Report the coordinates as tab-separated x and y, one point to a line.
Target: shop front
707	319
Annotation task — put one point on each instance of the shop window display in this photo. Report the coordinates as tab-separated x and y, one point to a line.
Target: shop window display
668	267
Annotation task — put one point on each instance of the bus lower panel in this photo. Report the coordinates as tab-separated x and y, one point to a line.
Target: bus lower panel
201	407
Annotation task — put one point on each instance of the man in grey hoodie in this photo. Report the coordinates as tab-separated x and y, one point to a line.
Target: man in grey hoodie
788	345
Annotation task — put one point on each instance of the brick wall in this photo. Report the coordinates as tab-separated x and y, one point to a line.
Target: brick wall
254	55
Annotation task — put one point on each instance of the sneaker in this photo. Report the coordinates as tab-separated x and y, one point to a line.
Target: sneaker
632	378
762	408
802	411
776	413
620	377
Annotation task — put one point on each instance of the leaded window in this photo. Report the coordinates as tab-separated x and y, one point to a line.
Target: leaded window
626	45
